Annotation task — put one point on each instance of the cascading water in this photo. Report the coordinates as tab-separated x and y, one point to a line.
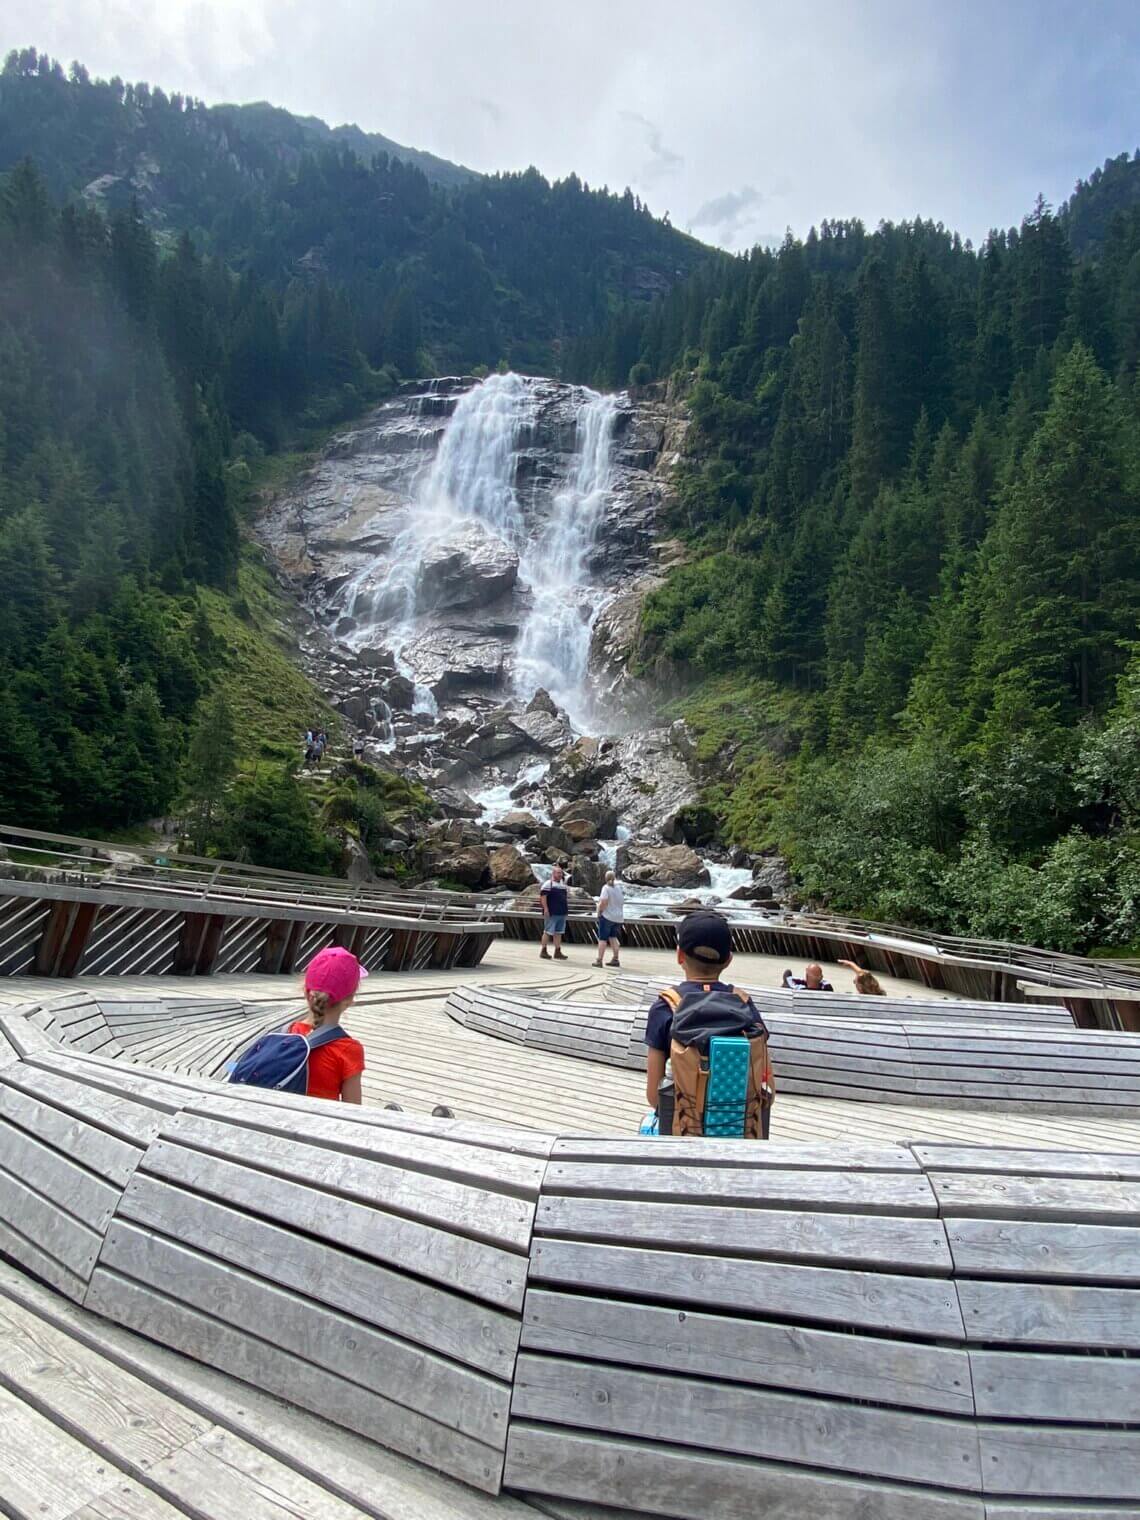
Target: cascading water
554	645
470	477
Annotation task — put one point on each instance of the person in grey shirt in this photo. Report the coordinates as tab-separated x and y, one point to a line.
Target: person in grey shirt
611	916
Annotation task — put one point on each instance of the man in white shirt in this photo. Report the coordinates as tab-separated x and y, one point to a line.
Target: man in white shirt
611	915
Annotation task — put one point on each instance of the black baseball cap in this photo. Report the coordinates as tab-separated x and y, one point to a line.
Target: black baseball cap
705	937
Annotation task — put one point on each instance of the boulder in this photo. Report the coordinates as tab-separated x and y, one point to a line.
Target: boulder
673	865
455	831
399	693
518	821
458	804
501	736
509	867
587	874
585	766
358	867
469	866
751	892
550	837
546	731
542	702
470	568
773	873
584	817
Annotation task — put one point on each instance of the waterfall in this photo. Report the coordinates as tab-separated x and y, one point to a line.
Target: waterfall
555	642
471	476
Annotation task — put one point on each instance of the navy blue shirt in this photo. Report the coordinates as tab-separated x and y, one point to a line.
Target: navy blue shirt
557	899
659	1021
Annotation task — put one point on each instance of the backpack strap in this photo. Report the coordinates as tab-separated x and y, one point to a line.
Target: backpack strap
325	1035
671	996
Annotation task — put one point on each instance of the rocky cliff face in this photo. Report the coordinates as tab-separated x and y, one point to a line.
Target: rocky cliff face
437	547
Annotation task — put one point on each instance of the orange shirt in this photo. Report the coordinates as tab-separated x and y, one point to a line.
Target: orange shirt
331	1064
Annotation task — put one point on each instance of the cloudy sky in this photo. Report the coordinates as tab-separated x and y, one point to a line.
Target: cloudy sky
739	117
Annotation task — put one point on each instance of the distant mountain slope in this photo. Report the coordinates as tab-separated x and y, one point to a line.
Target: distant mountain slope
293	135
437	267
1087	214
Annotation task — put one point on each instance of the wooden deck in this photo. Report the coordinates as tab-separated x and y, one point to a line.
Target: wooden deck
887	1326
418	1057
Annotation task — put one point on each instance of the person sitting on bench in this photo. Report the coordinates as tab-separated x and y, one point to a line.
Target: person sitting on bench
811	981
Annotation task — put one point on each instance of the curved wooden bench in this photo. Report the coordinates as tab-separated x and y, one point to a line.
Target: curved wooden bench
1023	1068
677	1328
851	1005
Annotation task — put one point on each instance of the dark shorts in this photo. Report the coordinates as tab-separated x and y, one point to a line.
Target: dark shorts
555	923
607	929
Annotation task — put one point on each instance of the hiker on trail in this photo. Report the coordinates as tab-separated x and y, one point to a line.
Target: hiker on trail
811	981
704	951
555	902
611	916
358	748
866	982
331	981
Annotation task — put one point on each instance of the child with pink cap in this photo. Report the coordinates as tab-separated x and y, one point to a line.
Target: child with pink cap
331	981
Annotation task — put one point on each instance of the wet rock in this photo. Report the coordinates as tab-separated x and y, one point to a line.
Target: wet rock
399	693
549	836
470	866
358	867
454	831
774	875
542	702
509	867
545	730
584	767
587	874
583	818
456	803
470	568
751	892
500	737
518	821
665	866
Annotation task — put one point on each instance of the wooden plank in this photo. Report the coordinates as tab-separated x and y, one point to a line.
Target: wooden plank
53	1231
127	1500
474	1267
904	1373
661	1480
101	1405
751	1422
44	1473
414	1380
1042	1314
456	1327
894	1242
1036	1385
55	1176
33	1258
920	1306
1105	1254
1076	1199
221	1476
386	1140
783	1155
761	1186
1027	1163
104	1154
1060	1462
442	1201
266	1366
379	1482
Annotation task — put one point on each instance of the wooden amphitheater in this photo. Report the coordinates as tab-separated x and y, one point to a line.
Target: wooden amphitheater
229	1305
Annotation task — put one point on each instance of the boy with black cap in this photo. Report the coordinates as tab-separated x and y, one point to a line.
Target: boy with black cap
704	950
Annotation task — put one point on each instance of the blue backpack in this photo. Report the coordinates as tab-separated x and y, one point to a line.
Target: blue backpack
281	1061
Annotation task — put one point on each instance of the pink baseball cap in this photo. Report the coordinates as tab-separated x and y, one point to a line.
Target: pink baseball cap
335	971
